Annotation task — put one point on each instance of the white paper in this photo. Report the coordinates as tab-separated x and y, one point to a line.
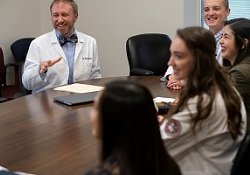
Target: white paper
79	88
163	99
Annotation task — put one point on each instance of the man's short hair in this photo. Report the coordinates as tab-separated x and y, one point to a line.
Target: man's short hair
71	2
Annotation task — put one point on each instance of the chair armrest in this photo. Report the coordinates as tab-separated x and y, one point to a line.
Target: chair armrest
2	99
6	67
17	69
15	65
139	71
11	65
1	84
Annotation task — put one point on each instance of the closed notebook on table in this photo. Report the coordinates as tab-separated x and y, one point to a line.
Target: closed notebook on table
76	98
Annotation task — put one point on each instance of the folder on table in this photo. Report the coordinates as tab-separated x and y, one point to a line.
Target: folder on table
76	98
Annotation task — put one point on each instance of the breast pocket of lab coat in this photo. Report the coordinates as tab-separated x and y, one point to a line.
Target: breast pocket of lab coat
83	68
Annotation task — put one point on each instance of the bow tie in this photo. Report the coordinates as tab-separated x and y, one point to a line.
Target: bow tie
62	40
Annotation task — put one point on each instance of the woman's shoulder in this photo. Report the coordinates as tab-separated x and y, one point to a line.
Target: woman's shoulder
240	73
243	66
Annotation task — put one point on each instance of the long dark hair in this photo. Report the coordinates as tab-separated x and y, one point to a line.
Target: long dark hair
241	31
207	78
130	132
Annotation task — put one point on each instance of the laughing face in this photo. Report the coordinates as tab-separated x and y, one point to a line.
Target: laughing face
228	44
216	13
181	59
63	18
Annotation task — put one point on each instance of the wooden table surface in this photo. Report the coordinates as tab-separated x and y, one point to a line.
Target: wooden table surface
42	137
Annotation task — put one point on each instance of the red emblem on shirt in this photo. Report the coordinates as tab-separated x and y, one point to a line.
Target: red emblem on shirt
173	127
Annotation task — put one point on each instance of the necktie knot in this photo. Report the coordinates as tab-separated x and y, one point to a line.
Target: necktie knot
63	40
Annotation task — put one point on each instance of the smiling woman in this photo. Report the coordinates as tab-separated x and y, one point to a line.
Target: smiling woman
209	110
235	45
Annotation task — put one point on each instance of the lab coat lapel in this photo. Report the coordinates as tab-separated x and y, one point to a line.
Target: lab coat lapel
56	45
79	46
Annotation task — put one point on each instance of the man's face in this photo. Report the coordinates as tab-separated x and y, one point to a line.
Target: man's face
215	13
63	18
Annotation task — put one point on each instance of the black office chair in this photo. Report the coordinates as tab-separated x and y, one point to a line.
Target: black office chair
7	92
242	159
148	54
19	50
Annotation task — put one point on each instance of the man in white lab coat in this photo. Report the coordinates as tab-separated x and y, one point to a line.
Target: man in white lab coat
62	56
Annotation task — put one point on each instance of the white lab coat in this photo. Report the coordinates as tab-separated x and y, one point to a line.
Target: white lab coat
211	150
46	47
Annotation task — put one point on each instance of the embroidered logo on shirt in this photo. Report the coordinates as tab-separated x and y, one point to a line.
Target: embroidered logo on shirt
86	58
173	127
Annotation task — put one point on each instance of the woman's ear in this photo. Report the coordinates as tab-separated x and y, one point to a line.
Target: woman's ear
245	43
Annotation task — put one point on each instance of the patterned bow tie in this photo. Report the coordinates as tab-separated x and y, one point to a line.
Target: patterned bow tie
73	38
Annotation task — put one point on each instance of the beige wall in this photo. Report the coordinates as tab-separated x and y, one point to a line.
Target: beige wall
111	22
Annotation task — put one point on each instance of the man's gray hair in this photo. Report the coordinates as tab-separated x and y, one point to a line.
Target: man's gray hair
71	2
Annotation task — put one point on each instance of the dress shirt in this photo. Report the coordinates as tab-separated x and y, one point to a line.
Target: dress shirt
68	47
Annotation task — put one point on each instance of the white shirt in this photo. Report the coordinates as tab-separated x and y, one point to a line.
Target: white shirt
211	150
217	37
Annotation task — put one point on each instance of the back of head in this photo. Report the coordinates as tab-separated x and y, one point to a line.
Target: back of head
127	113
126	104
241	31
129	128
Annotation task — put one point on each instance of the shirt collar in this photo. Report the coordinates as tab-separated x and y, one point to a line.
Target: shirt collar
58	34
217	36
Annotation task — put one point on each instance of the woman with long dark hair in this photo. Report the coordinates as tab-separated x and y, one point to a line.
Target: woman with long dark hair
205	128
124	118
236	49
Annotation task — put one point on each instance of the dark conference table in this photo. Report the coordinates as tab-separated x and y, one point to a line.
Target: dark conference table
42	137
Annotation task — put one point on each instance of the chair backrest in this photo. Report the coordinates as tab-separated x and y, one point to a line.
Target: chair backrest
7	91
242	160
19	51
20	48
149	51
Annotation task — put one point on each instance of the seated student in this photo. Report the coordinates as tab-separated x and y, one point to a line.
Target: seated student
124	118
203	131
215	13
236	49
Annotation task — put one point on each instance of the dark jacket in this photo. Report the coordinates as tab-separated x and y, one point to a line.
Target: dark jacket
240	75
